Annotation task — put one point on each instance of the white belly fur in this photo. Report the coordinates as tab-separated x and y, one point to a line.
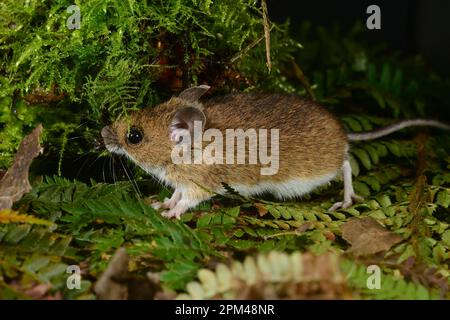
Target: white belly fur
284	190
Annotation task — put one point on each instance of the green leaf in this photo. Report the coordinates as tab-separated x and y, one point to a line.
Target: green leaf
446	237
204	220
17	233
397	82
234	212
361	188
363	157
372	152
443	198
385	80
36	263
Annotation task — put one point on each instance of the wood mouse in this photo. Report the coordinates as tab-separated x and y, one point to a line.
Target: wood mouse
312	146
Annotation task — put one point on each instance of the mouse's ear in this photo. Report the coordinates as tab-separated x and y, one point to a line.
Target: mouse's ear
194	93
184	122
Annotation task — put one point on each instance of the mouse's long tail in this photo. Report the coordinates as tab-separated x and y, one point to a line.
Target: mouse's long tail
370	135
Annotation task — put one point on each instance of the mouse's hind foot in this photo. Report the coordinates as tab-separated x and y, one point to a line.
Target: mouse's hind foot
346	203
349	194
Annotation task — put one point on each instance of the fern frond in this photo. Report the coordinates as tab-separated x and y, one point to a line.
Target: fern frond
11	216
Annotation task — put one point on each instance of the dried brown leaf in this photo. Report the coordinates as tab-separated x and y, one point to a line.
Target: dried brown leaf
367	236
41	96
14	184
109	287
117	283
425	275
262	210
38	291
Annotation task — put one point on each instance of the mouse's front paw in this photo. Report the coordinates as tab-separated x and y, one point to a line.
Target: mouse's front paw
167	204
157	205
172	213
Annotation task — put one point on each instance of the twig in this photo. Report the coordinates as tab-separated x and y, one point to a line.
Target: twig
417	198
241	53
301	76
266	33
297	232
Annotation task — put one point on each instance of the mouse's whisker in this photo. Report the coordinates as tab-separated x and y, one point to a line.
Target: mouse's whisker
81	156
85	154
82	124
84	164
111	169
114	171
103	170
93	162
74	138
132	180
81	168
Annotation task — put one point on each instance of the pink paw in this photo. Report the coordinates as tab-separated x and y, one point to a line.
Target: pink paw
346	203
172	213
157	205
167	204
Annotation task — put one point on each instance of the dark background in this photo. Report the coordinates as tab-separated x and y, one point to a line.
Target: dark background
411	26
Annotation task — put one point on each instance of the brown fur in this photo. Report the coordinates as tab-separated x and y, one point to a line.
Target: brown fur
312	142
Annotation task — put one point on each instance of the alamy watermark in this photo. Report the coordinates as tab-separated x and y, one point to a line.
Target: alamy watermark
374	280
74	21
374	20
262	148
74	280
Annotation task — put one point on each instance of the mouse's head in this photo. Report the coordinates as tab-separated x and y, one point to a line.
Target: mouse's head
145	136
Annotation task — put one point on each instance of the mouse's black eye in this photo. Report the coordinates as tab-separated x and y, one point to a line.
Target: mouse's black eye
134	136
